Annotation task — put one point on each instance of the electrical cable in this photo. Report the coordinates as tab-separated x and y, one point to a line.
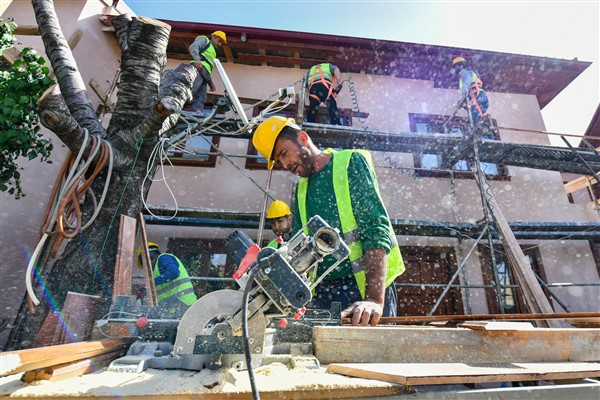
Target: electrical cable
246	338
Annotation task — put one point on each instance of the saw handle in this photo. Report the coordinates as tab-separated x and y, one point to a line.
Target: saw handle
247	261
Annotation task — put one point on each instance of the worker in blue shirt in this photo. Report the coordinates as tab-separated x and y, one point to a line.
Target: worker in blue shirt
170	276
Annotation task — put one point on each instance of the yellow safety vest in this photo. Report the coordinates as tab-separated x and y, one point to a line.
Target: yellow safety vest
208	56
180	288
341	186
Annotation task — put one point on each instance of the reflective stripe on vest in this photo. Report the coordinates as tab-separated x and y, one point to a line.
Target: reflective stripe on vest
180	288
341	187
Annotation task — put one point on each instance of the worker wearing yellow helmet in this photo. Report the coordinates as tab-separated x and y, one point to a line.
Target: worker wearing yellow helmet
279	216
204	52
471	89
341	187
170	276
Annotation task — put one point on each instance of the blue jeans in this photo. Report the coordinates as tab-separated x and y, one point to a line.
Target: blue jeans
345	291
483	102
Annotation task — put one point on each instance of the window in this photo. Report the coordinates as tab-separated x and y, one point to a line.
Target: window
426	123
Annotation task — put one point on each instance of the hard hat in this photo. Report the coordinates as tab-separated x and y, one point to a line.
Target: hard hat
458	60
266	134
221	35
151	246
277	209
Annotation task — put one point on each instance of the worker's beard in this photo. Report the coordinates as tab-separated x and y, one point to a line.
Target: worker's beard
306	165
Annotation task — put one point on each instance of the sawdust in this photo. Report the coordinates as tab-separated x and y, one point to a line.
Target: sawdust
270	378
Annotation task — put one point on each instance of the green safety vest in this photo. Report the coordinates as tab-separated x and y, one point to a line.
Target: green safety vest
341	186
180	288
208	56
476	84
320	73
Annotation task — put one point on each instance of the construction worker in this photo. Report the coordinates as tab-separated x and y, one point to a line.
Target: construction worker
279	216
324	83
170	276
204	53
340	187
471	89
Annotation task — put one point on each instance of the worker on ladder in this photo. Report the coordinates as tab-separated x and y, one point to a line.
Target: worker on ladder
279	216
204	53
324	82
471	88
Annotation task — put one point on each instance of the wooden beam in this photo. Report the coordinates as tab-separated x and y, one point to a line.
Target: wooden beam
228	53
125	259
582	182
27	30
404	344
11	55
73	369
303	62
146	262
576	316
452	373
13	362
102	95
75	38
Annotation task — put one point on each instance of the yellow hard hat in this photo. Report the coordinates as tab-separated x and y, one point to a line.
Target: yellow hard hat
458	60
266	134
221	35
151	246
278	208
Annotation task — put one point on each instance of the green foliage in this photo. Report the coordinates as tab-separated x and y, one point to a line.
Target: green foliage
20	87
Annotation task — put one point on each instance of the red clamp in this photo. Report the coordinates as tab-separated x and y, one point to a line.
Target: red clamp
300	313
142	321
283	323
247	261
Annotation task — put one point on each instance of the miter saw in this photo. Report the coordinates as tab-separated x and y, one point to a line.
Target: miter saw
222	327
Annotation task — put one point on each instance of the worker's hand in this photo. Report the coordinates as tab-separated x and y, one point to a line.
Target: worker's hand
212	86
338	88
197	65
364	313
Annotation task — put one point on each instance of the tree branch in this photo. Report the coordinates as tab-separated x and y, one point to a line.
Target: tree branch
62	61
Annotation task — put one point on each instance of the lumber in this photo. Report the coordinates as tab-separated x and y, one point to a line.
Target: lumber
147	265
452	373
404	344
567	317
11	55
125	258
72	369
13	362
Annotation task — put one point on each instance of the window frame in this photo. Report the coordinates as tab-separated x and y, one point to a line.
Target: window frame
456	122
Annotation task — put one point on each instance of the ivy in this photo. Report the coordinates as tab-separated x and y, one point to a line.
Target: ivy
21	85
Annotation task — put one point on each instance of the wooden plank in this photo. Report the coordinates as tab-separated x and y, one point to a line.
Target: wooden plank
452	373
151	288
73	369
582	182
11	55
102	95
125	258
496	325
404	344
567	317
75	38
532	291
13	362
27	30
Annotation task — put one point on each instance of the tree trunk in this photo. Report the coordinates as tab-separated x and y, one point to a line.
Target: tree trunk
87	263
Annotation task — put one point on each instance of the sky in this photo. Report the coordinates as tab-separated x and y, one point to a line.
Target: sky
557	29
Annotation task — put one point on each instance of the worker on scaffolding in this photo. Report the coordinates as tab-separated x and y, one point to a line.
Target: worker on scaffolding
324	82
204	53
279	217
170	276
341	188
471	88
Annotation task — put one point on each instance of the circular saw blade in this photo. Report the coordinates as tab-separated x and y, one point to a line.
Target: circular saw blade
208	309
